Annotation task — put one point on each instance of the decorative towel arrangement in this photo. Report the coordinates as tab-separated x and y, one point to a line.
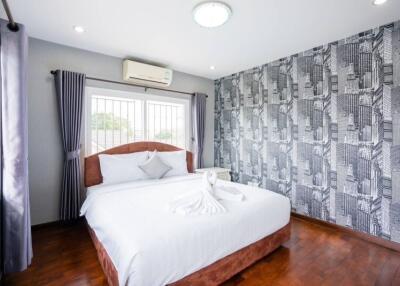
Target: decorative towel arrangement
210	181
229	194
205	200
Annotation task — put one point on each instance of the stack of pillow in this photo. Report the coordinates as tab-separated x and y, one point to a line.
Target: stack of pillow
142	166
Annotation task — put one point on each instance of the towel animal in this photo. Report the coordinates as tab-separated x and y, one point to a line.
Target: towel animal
205	200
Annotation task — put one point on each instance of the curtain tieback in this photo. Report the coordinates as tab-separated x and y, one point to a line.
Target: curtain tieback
73	154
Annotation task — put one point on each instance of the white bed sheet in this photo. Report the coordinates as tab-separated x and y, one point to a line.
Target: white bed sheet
151	246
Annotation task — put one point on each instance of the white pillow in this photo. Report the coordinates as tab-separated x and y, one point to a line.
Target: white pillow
154	167
122	167
176	160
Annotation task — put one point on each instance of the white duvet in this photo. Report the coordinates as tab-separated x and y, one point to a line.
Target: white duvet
149	245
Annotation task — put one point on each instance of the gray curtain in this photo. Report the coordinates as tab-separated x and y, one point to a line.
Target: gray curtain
199	113
16	224
70	89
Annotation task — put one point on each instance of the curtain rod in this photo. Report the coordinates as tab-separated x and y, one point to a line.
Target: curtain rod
12	25
135	85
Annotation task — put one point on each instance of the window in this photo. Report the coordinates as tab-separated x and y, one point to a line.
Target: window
114	118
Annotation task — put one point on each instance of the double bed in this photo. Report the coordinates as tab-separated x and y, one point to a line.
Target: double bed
140	242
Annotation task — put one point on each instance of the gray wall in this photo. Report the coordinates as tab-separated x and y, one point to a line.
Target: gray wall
45	150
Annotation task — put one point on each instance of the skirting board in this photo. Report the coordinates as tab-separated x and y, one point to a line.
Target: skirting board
364	236
37	227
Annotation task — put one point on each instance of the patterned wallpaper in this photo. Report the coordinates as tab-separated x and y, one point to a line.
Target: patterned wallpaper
321	127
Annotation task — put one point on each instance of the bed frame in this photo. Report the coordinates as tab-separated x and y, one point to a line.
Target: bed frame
214	274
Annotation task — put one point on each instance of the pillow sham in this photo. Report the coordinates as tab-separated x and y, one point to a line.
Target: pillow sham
154	167
176	160
122	167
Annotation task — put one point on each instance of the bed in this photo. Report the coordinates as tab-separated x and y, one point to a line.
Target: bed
139	242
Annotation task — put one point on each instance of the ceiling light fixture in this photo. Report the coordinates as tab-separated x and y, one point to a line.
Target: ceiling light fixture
211	14
79	29
379	2
212	67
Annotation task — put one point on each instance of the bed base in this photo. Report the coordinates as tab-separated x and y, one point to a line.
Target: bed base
217	272
105	261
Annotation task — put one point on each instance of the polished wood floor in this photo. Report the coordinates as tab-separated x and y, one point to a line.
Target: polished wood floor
315	255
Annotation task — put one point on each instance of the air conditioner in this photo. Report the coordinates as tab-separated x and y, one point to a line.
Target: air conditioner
146	74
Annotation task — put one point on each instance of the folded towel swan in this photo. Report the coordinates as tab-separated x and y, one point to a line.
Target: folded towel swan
205	200
209	181
229	194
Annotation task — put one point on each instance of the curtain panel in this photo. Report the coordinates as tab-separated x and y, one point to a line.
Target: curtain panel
70	90
15	216
199	102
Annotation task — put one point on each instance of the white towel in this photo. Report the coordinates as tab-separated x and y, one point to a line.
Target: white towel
201	201
229	194
196	203
222	192
209	181
205	200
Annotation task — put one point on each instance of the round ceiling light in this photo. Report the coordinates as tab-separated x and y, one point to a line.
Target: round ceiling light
79	29
379	2
211	14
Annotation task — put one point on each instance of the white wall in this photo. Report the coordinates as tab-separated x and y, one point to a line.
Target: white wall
45	149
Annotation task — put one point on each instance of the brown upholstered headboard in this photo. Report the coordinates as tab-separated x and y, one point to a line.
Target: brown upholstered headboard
92	163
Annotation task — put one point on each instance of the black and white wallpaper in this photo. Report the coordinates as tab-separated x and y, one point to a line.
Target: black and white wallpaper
321	127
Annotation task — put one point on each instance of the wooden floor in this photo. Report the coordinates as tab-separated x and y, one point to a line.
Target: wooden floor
315	255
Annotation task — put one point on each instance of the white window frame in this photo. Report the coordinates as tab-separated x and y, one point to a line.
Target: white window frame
144	97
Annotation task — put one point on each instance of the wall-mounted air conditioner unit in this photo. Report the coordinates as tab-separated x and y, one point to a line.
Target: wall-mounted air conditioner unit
146	74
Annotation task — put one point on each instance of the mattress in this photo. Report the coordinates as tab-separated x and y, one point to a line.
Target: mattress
149	245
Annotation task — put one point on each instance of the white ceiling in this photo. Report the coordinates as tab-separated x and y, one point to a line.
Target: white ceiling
163	31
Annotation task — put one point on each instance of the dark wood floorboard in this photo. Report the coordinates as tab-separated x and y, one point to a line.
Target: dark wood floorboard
315	255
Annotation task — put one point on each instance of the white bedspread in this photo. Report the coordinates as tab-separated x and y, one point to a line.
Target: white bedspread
149	245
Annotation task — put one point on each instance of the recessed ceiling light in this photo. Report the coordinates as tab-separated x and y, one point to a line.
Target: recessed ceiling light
212	68
211	14
79	29
378	2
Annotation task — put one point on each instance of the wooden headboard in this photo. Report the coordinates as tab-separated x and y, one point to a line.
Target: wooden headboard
92	163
